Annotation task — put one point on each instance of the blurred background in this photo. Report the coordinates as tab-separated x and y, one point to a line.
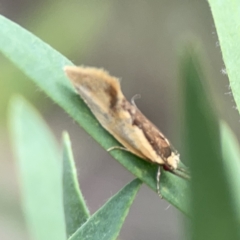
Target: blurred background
137	41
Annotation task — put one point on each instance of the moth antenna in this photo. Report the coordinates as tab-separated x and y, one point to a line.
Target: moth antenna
183	170
167	207
137	96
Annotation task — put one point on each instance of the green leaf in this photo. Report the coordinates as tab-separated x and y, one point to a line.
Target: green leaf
214	215
226	15
44	66
106	223
76	211
82	23
39	168
231	164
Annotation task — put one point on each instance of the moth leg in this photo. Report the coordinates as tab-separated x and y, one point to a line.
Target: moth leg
117	147
137	96
158	181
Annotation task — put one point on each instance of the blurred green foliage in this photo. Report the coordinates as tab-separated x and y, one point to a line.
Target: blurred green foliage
227	21
212	151
39	171
72	28
215	213
46	182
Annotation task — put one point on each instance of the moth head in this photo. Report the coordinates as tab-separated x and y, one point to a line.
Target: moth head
173	160
95	85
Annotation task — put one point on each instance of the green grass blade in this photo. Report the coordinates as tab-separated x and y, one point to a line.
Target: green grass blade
231	163
213	213
82	23
226	15
76	211
44	66
106	223
39	167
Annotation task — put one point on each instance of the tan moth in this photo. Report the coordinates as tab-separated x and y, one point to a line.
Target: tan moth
102	93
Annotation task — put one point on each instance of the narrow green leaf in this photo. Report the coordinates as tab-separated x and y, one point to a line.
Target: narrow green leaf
76	211
231	164
226	15
82	23
45	67
106	223
39	167
212	208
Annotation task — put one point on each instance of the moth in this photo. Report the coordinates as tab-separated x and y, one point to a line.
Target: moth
122	119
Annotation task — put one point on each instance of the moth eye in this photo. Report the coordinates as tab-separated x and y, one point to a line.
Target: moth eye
167	167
